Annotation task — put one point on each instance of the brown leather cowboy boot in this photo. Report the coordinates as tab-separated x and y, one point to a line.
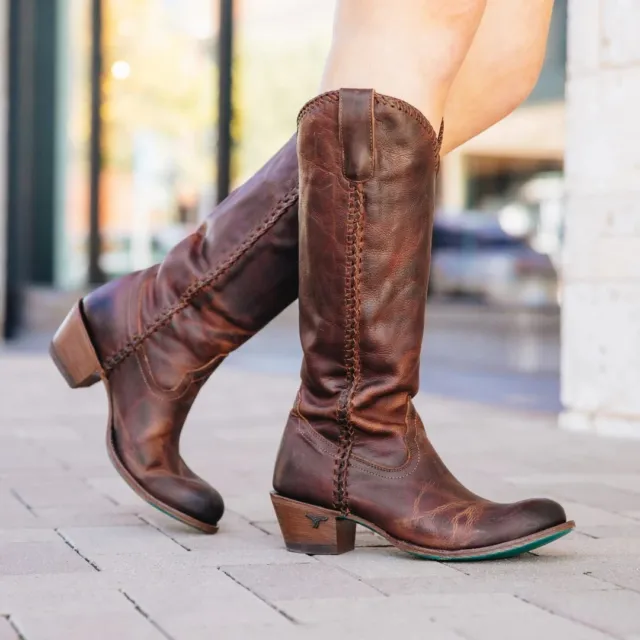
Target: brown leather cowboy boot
354	448
155	336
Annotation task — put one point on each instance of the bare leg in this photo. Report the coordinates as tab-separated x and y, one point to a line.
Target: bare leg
500	70
409	49
427	53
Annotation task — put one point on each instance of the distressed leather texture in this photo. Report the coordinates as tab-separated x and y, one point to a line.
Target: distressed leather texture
161	332
354	441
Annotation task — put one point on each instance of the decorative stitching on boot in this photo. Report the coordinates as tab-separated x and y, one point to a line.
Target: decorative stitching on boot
440	135
414	113
317	102
342	416
353	277
440	140
199	285
394	103
321	444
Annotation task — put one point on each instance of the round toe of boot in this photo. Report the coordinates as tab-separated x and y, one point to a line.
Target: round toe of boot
536	515
195	503
205	506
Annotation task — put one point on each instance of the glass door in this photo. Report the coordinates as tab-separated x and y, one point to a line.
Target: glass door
159	122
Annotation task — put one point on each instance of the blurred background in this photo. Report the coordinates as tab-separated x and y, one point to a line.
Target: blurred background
127	120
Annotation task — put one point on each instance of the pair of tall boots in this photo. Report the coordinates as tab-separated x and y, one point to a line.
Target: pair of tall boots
353	241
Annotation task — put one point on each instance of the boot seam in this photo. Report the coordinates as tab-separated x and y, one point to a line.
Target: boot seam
353	277
175	393
178	392
320	443
200	284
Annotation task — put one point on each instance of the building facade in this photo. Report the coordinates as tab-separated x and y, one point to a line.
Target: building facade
601	323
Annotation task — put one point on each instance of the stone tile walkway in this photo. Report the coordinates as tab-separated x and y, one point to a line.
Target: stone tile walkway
82	557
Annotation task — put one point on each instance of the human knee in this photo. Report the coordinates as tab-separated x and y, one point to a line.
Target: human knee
523	79
515	76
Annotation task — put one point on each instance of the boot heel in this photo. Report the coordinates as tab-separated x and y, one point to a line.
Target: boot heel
72	352
313	530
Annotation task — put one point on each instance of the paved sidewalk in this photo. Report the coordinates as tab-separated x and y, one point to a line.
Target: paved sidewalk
81	557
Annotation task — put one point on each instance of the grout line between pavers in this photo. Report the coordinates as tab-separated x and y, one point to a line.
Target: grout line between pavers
14	627
25	504
257	526
620	587
459	632
146	616
252	523
106	496
164	533
284	614
74	548
566	617
579	533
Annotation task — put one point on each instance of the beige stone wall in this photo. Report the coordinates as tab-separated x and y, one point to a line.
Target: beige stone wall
601	323
4	112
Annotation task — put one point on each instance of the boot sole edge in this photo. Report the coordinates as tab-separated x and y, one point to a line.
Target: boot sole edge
499	551
502	550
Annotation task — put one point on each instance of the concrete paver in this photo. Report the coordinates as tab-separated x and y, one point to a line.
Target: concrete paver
97	626
112	540
58	492
207	604
474	615
374	564
288	582
33	551
501	619
81	556
87	516
615	612
523	587
625	576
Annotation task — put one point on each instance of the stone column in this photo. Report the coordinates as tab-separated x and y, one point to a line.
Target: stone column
4	115
601	314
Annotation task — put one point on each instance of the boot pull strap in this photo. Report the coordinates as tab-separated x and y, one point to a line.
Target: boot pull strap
357	133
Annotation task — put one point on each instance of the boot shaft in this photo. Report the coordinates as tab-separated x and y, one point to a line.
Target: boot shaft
214	290
367	181
155	336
